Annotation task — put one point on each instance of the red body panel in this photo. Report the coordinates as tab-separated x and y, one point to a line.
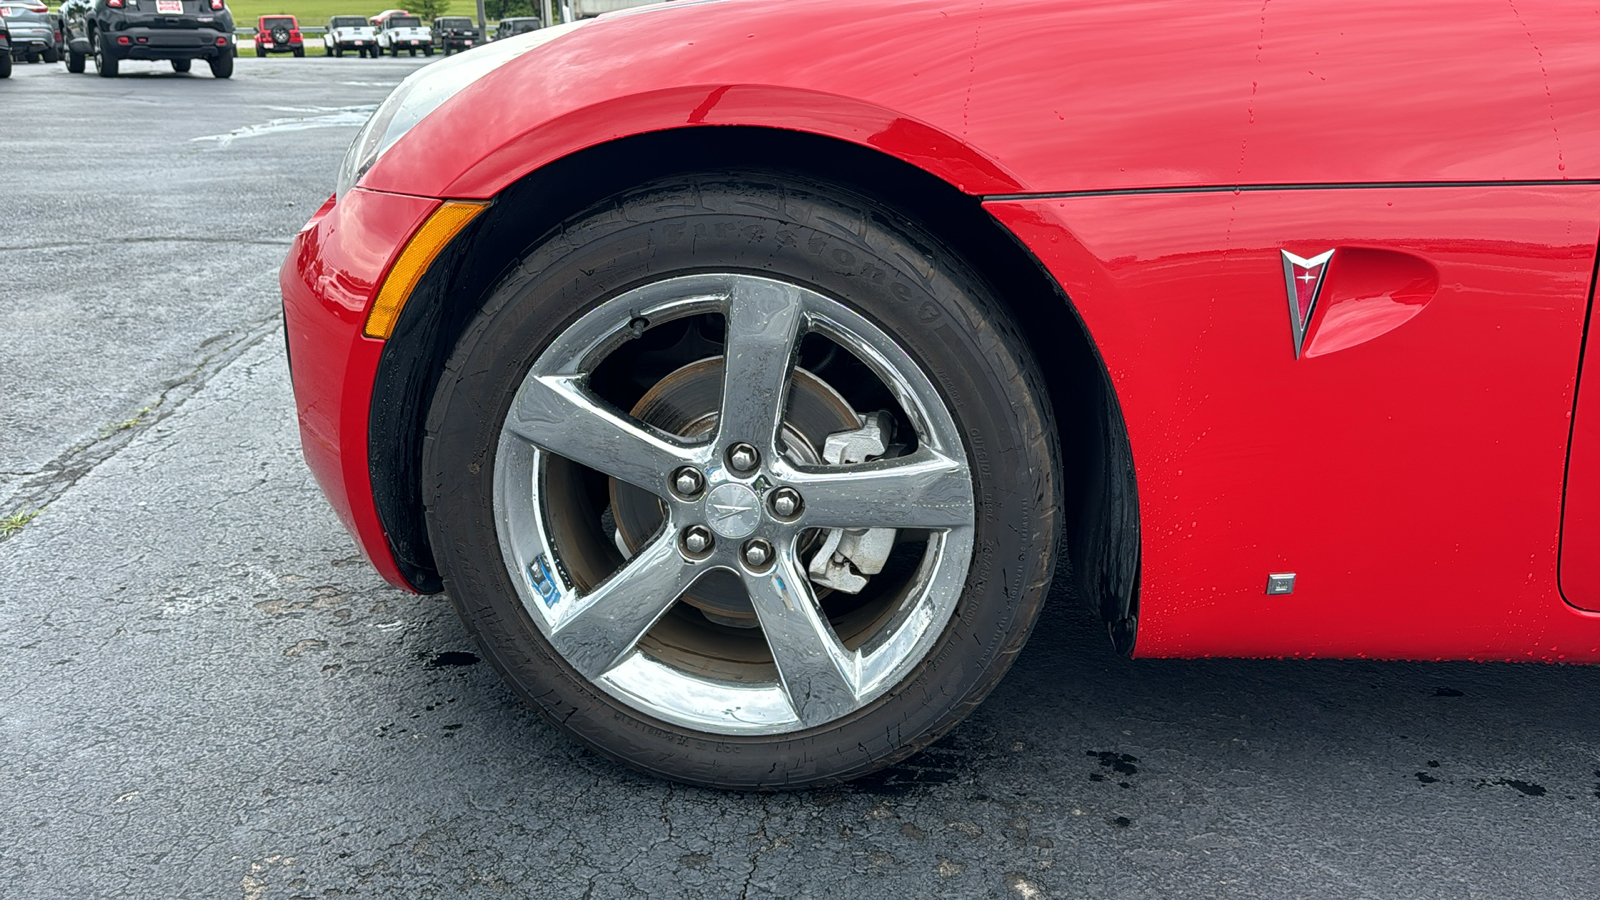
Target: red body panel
1408	466
1042	96
1412	480
1580	532
333	270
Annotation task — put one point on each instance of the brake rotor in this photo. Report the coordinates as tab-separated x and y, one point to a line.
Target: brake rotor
687	403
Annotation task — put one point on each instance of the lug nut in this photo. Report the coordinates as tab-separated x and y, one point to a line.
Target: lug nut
786	502
688	482
697	539
743	458
757	553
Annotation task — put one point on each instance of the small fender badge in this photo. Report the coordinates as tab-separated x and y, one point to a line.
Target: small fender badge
1303	277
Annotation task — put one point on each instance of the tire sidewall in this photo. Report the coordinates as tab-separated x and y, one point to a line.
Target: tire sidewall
844	247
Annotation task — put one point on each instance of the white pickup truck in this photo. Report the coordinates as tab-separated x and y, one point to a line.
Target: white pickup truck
404	33
350	33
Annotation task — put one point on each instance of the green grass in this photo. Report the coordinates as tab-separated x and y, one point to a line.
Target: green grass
13	523
125	424
316	13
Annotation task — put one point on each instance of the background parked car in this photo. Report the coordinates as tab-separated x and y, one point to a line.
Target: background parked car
451	33
180	31
508	27
404	32
378	20
73	27
33	34
58	27
350	33
278	34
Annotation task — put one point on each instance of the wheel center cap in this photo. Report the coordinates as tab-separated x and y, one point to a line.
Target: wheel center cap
733	510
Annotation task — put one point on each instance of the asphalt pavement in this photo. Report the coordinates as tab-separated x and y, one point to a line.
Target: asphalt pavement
205	692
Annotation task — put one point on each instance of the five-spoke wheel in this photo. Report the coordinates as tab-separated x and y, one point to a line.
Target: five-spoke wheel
746	486
720	489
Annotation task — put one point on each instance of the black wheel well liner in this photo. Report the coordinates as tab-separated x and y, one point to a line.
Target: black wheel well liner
1102	510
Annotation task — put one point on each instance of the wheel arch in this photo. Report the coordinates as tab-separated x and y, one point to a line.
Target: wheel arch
1099	489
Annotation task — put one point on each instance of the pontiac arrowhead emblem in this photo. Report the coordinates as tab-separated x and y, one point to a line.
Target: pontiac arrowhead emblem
1304	280
733	509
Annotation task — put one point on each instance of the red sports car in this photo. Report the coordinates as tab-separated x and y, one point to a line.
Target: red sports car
743	369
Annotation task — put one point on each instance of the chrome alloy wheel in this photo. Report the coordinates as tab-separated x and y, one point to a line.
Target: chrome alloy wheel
739	500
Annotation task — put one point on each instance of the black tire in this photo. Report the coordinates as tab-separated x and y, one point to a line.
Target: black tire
428	51
260	52
336	52
934	304
221	65
32	57
75	62
52	56
413	52
182	66
300	52
105	61
5	65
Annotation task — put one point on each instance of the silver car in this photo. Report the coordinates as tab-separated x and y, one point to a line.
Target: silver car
34	35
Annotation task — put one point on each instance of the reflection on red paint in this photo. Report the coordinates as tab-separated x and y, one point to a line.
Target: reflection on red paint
1369	292
1040	95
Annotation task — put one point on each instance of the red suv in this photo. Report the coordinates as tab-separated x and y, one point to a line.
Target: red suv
278	34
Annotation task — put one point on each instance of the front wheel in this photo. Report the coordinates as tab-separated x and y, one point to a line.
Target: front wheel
300	52
182	65
52	55
75	62
260	52
767	500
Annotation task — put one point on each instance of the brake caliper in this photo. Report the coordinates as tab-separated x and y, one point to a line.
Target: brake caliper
848	555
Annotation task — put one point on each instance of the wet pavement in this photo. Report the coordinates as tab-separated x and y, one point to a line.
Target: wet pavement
204	691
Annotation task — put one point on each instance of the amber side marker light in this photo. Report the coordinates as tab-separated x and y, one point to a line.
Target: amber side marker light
424	246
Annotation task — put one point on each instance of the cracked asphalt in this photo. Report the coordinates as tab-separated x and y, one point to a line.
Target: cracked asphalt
204	691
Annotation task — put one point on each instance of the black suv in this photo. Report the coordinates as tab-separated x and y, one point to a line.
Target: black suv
455	33
178	30
518	25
